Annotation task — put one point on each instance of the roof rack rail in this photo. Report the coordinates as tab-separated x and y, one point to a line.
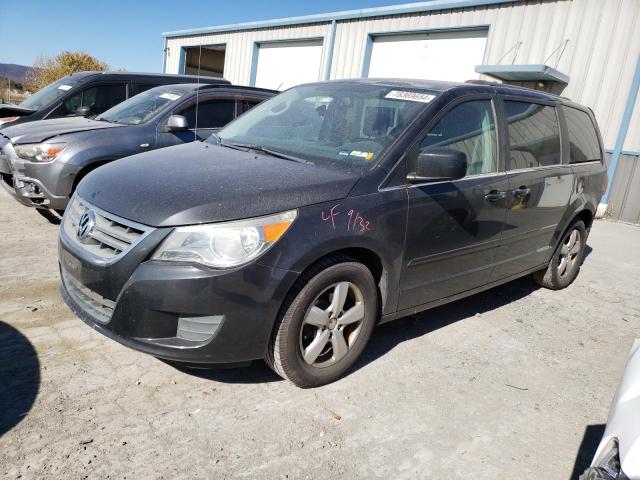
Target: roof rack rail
206	86
482	82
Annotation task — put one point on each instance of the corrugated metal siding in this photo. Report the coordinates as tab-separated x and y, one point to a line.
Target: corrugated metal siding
239	47
624	199
600	57
632	142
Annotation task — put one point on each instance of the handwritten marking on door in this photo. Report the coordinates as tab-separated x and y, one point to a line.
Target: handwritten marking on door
355	221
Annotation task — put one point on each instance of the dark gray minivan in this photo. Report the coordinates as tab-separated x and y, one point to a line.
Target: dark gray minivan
87	94
326	210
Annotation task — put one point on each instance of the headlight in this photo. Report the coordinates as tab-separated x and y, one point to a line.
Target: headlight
224	245
39	152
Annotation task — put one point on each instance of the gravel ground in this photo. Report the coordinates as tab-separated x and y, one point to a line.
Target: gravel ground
512	383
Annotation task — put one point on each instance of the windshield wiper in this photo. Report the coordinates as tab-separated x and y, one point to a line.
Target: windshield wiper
265	150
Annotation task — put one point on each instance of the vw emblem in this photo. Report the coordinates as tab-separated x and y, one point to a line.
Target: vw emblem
86	224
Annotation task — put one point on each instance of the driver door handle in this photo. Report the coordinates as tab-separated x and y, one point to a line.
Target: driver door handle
495	196
521	192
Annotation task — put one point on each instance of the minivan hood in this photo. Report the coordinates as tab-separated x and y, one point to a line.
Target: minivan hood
41	130
201	183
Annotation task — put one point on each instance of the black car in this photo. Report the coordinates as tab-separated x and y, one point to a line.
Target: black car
87	94
326	210
42	162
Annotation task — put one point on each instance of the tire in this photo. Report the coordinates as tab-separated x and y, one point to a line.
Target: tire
325	323
566	260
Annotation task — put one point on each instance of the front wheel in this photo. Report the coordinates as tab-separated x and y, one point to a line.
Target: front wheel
565	263
327	324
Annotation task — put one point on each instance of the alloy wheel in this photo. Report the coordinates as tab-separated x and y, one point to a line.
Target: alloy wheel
332	324
569	252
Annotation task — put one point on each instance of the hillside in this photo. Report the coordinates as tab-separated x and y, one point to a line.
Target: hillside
15	73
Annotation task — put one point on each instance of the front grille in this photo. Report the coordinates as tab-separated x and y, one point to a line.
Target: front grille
91	302
110	236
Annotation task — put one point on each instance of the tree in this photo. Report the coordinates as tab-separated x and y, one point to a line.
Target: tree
47	70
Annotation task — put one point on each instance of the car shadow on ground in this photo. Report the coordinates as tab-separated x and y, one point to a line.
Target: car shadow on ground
588	446
254	372
387	336
19	377
52	217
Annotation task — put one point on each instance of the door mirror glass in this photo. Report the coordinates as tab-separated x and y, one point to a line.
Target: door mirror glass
177	123
83	111
438	164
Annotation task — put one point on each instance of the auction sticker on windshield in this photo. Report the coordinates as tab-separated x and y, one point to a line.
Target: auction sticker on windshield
410	96
65	87
170	96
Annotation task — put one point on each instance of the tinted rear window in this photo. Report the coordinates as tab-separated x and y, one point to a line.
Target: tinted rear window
583	138
211	113
534	135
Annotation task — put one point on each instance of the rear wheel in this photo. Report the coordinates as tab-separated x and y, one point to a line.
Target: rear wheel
327	323
565	263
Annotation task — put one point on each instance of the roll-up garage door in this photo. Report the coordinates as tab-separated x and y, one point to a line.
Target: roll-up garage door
436	56
284	64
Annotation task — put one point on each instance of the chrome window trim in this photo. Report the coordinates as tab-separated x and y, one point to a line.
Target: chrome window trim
543	167
407	186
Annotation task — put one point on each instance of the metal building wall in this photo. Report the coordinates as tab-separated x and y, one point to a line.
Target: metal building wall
240	47
632	142
600	57
624	199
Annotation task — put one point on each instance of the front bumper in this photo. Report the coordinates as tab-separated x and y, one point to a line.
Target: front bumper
31	192
33	184
175	312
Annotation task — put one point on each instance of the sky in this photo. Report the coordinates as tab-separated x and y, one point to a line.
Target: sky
127	34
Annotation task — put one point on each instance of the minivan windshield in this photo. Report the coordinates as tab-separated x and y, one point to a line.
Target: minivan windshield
337	124
142	107
49	94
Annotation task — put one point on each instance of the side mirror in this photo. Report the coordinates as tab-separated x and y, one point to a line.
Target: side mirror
176	123
439	164
83	111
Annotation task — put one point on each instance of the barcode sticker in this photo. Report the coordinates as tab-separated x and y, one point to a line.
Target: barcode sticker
170	96
410	96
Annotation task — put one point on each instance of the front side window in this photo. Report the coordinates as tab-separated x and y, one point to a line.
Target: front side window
469	128
583	138
98	99
339	125
534	135
142	107
49	94
211	113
